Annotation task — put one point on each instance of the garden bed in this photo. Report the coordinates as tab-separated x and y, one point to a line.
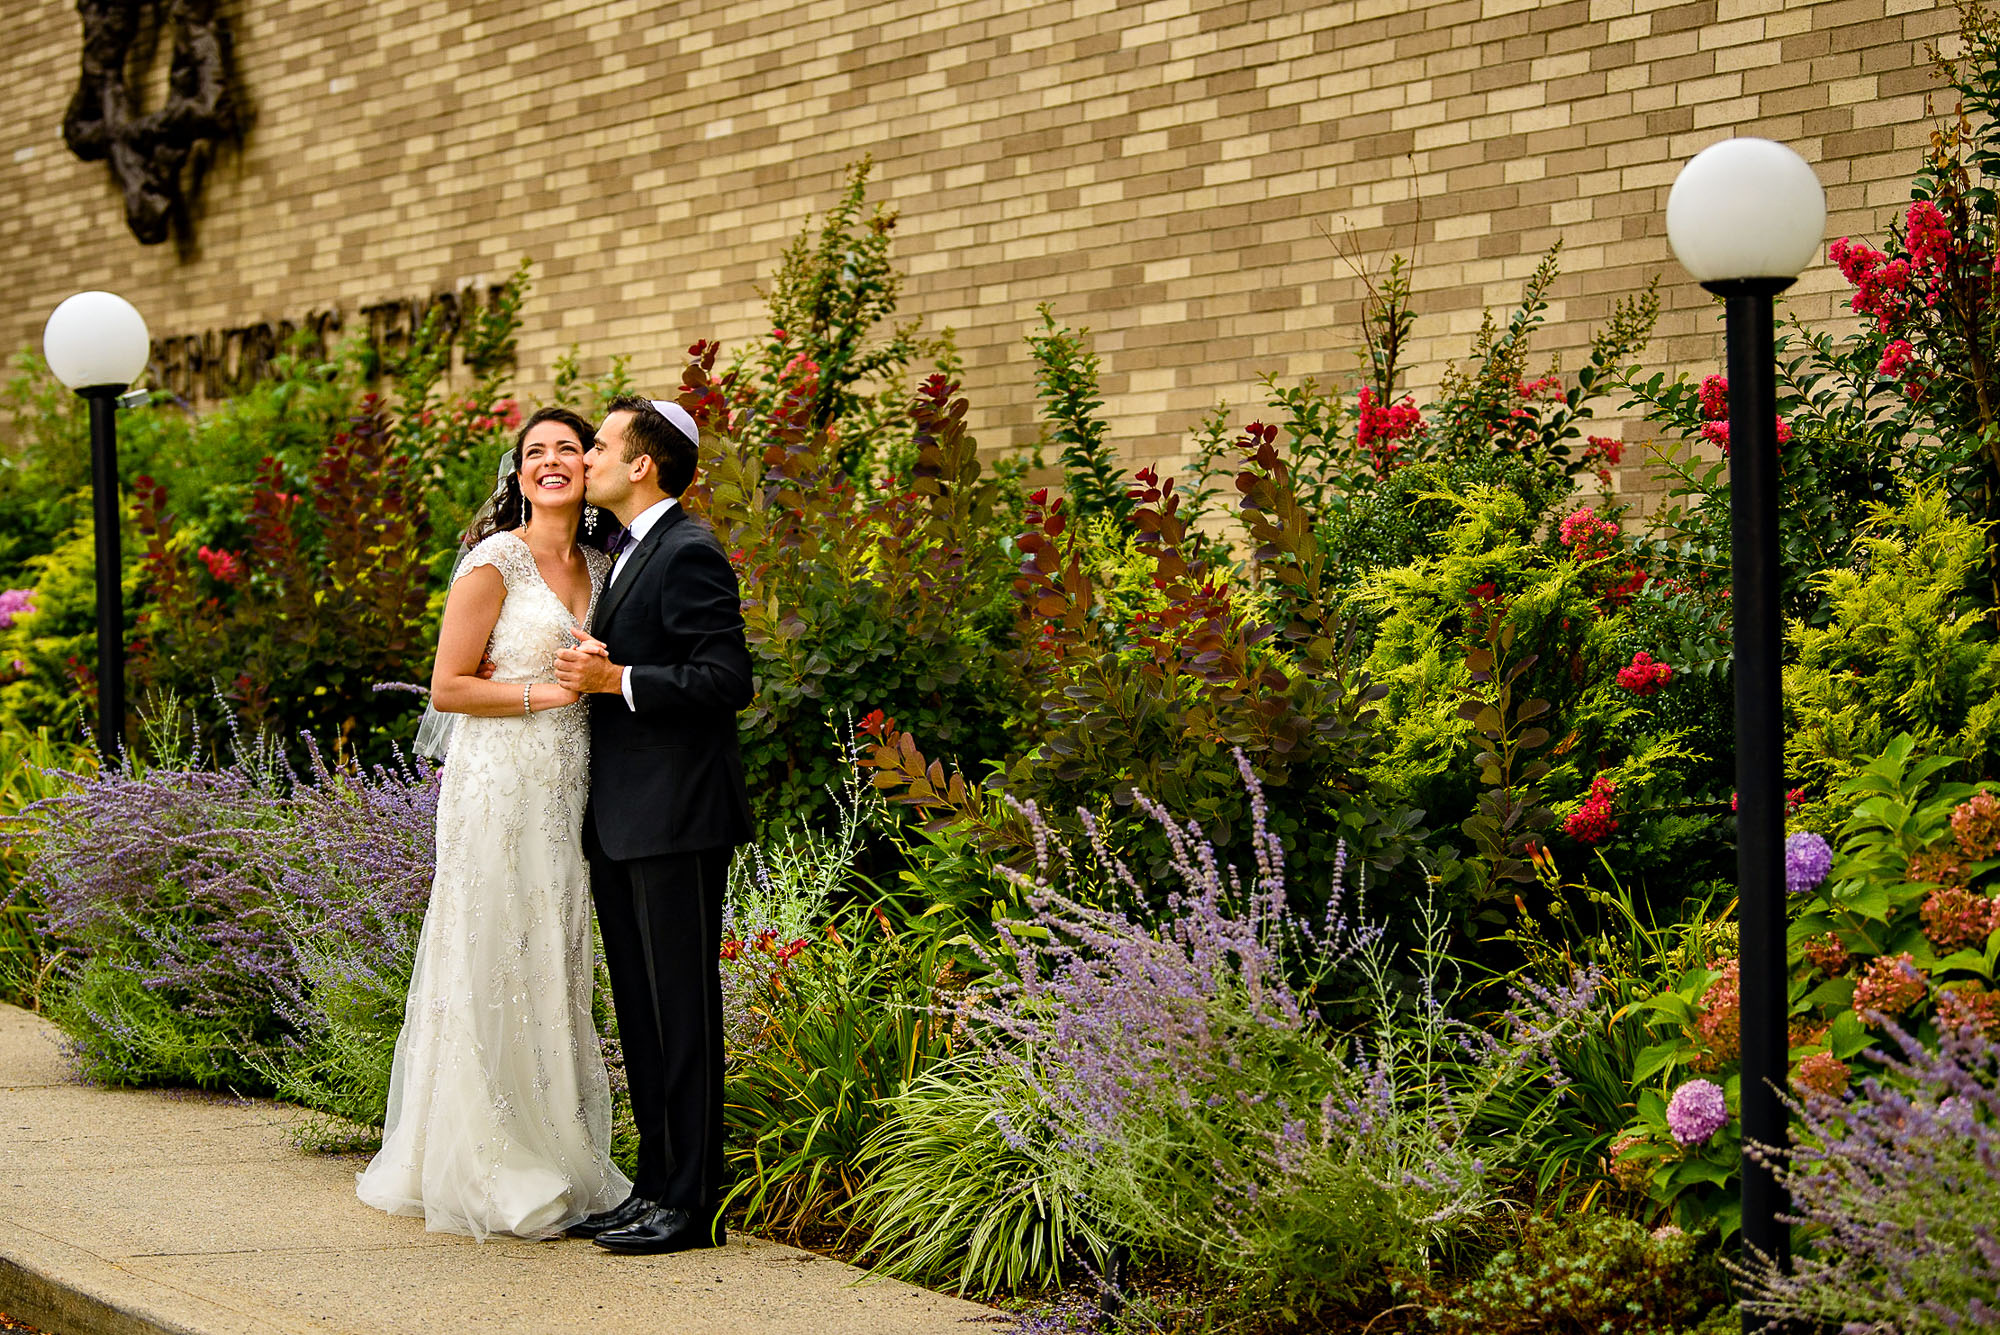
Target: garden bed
1309	879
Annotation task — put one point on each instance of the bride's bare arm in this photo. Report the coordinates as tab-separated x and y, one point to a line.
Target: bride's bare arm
456	687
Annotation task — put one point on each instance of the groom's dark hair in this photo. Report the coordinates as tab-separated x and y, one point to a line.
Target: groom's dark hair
649	433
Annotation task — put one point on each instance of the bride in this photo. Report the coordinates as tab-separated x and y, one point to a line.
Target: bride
499	1117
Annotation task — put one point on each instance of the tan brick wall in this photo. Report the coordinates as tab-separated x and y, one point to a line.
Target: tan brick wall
1168	173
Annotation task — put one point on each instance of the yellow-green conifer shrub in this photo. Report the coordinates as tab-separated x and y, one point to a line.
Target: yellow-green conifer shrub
1907	647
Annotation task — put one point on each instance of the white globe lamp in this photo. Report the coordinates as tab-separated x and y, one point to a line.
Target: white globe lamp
97	340
1746	209
1744	218
97	344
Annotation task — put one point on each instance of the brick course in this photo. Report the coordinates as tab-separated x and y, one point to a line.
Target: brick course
1179	175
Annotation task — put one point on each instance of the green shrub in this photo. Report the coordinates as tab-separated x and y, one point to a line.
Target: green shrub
188	901
124	1032
1066	374
1594	1274
1907	646
48	657
31	769
854	604
1902	927
1536	632
830	293
1147	669
324	601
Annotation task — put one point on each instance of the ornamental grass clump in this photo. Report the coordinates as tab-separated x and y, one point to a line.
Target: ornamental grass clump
1174	1081
1898	1186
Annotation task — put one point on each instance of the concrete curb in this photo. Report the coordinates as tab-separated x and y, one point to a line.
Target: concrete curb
127	1212
40	1299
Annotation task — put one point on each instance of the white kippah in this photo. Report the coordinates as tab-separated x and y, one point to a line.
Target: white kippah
680	417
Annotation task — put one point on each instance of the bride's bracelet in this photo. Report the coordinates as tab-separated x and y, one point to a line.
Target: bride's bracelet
527	700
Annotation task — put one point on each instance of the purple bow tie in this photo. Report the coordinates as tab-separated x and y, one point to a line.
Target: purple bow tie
626	542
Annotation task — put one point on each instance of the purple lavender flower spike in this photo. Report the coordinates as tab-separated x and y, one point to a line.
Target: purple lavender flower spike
1808	858
1697	1111
1900	1179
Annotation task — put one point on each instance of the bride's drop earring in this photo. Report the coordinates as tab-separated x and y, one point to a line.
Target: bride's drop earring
590	519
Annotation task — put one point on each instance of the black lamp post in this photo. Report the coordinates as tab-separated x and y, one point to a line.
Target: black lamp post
97	344
1745	216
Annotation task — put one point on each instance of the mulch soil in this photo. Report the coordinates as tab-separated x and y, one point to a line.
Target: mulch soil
8	1323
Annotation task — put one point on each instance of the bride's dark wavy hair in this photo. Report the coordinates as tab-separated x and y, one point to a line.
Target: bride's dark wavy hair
512	512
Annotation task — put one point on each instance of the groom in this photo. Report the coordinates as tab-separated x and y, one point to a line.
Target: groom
666	662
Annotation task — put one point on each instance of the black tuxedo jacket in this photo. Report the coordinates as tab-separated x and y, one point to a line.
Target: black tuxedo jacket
666	775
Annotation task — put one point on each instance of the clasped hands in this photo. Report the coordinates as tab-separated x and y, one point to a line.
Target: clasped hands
588	669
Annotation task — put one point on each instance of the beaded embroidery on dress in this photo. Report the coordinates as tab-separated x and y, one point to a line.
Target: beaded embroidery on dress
499	1117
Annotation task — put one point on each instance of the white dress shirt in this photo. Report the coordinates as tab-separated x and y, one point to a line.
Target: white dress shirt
639	528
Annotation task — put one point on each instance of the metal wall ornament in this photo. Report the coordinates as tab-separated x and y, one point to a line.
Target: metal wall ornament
157	157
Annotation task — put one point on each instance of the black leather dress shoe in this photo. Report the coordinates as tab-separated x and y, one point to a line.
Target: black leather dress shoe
618	1216
668	1228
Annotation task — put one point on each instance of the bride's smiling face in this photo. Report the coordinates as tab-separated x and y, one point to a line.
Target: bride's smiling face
552	466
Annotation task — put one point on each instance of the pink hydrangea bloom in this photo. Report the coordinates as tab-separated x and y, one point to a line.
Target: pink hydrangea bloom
1890	985
1822	1073
1697	1111
1808	858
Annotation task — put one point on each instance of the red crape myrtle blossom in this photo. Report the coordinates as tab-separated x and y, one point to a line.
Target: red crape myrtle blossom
1794	799
1384	428
1525	417
1896	291
1644	675
1601	454
1881	285
1927	238
1590	538
1587	536
1593	822
226	566
1635	580
1714	399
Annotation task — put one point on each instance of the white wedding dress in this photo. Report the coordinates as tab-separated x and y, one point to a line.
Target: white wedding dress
499	1117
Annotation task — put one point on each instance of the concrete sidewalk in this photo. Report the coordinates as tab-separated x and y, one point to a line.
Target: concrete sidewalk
131	1212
